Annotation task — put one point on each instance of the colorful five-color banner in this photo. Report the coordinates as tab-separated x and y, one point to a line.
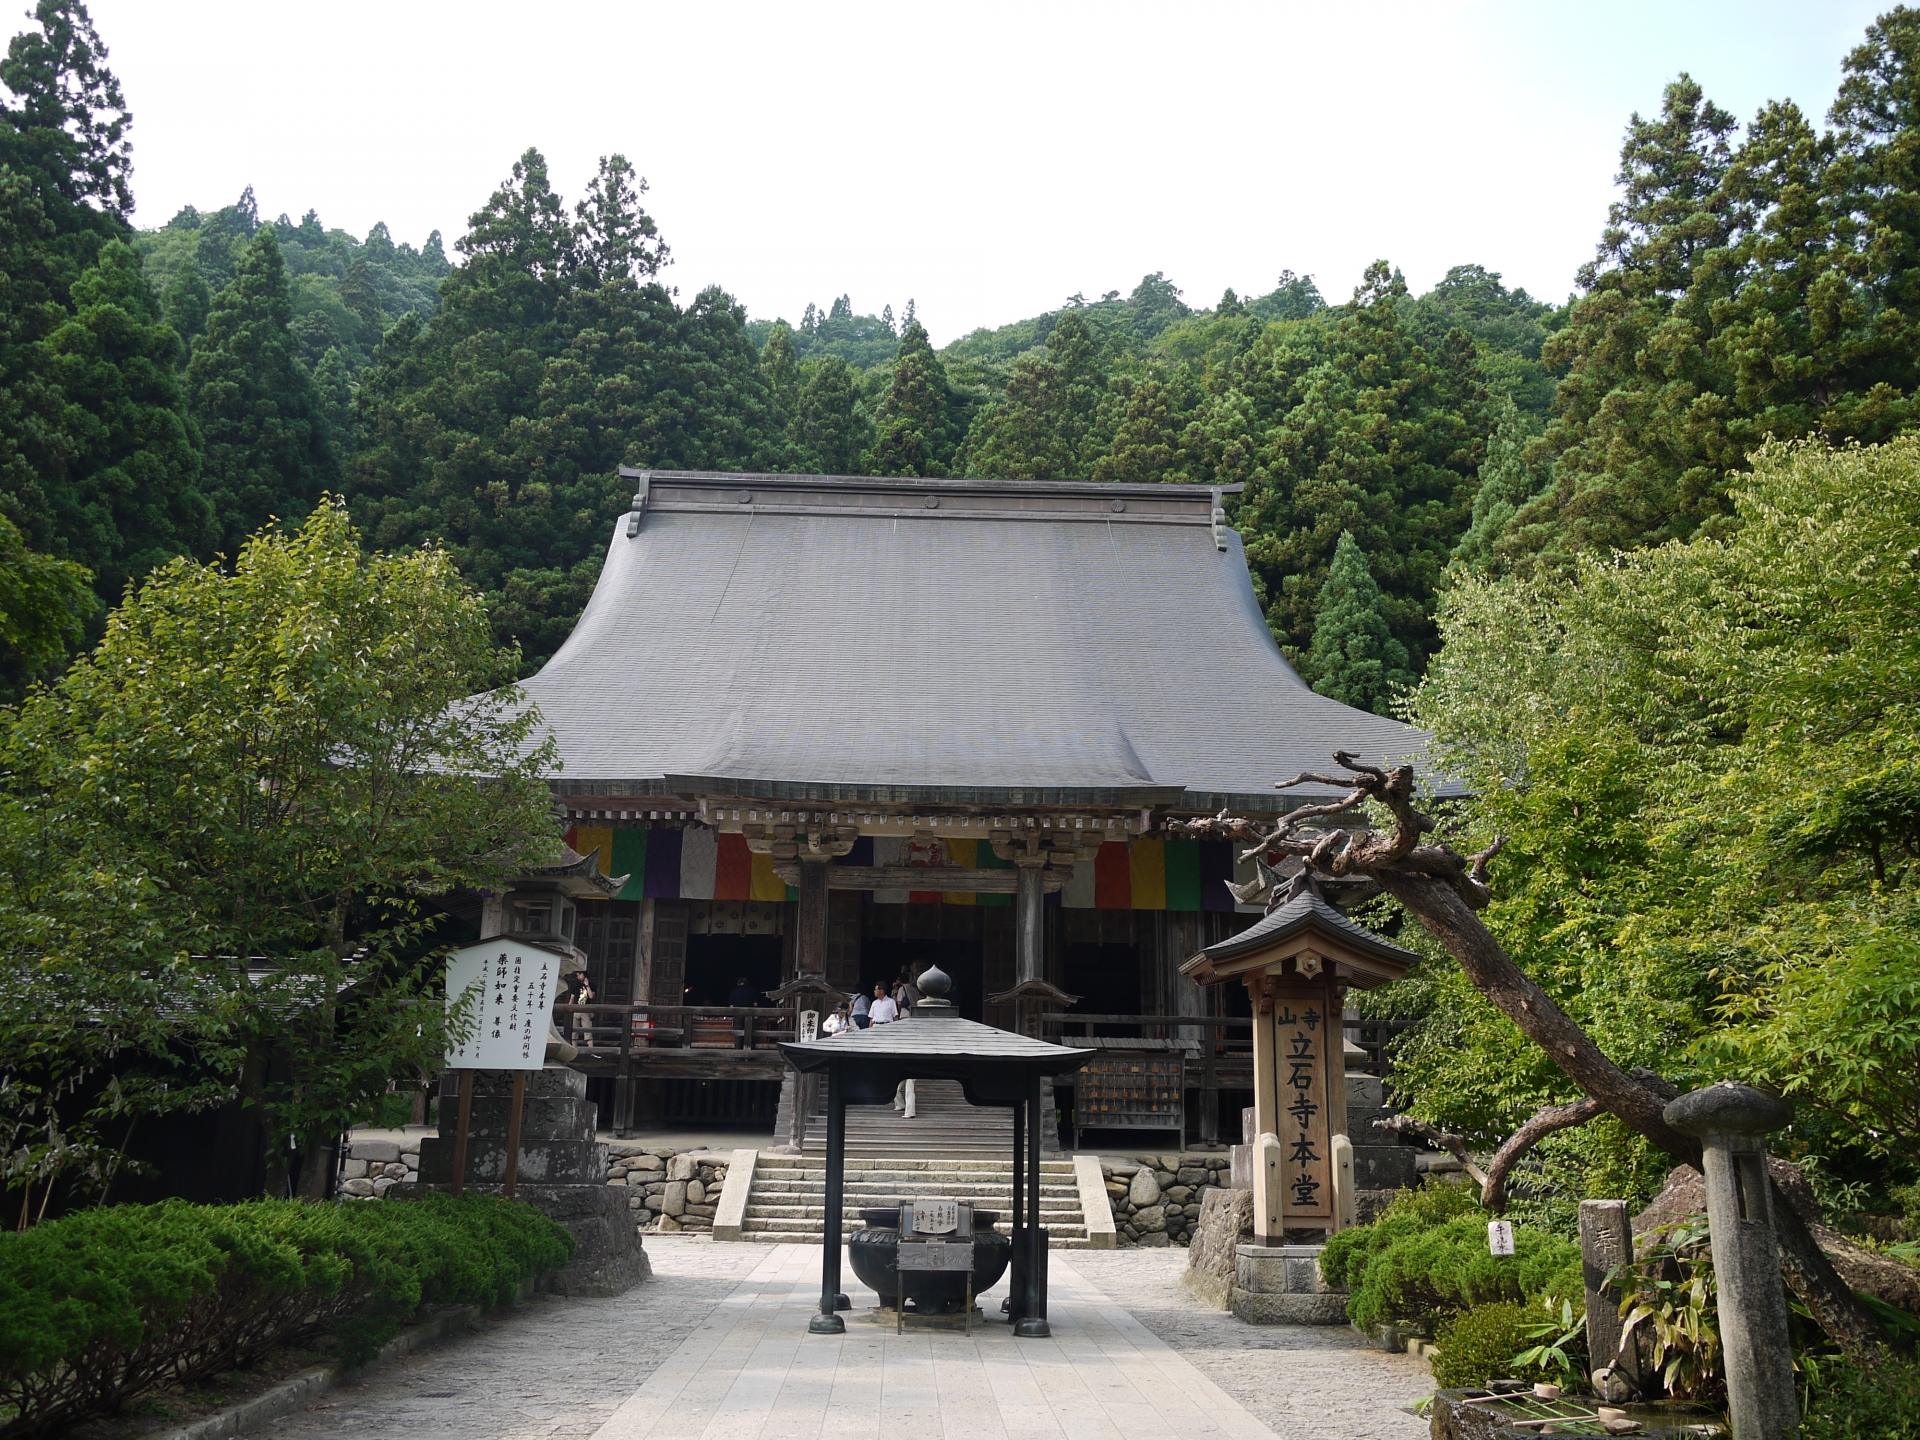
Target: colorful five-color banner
696	863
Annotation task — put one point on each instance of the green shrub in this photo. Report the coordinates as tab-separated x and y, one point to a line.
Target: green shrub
1840	1402
1411	1212
105	1305
1478	1345
1426	1259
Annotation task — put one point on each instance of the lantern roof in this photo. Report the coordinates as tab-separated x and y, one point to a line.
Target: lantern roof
1304	921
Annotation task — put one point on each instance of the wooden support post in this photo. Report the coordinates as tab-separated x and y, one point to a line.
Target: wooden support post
518	1105
461	1131
1029	922
810	950
623	1087
1266	1110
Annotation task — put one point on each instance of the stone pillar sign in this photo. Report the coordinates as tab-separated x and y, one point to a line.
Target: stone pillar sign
1732	1121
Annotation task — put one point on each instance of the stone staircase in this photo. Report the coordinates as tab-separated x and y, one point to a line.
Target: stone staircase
944	1126
788	1198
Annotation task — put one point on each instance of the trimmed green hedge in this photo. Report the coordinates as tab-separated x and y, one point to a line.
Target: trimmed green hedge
110	1304
1425	1259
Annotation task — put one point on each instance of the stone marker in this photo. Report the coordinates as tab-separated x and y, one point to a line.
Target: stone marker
1606	1241
1732	1121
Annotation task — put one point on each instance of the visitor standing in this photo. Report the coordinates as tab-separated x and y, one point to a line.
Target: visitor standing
884	1010
860	1017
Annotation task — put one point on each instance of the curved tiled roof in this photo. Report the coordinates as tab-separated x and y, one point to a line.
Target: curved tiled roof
809	637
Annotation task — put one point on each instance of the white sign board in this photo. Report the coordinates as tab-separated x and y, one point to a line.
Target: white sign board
935	1217
514	985
1500	1237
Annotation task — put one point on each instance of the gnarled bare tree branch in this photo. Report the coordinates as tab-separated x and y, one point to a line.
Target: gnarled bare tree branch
1493	1188
1454	1145
1442	890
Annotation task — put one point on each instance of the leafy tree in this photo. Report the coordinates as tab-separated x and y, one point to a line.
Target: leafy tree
912	433
267	450
278	763
830	431
1154	305
1055	420
44	606
781	369
1704	757
1355	658
1509	327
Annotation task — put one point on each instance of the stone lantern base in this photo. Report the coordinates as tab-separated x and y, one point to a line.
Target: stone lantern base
1282	1285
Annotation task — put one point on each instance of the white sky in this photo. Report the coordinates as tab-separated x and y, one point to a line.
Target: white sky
988	159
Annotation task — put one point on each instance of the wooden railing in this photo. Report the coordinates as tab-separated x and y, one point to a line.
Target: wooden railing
624	1029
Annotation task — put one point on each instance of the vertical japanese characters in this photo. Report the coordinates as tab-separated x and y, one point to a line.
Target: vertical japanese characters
1306	1133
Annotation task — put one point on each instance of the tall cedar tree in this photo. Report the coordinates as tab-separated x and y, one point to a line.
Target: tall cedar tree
555	356
267	453
913	432
1507	482
1056	418
1739	293
96	460
1349	425
1355	658
830	432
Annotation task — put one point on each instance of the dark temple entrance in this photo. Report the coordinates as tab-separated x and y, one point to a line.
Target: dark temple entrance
714	962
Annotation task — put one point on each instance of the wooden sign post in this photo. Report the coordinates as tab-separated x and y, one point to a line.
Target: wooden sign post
512	986
1304	1039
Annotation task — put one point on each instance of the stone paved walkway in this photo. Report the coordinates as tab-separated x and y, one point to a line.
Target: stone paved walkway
714	1348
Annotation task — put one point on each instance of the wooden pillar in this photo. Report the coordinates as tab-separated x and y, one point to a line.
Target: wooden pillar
1265	1110
810	943
1030	922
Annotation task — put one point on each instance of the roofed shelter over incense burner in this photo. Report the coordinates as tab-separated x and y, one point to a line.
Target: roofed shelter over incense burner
797	702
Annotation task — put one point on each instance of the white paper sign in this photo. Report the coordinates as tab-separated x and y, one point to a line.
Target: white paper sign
935	1217
1500	1237
809	1024
514	1005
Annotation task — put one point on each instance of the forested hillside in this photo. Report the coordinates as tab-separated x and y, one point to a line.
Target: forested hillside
166	391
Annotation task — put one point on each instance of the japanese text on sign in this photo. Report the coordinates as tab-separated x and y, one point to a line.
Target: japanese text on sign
512	988
1301	1038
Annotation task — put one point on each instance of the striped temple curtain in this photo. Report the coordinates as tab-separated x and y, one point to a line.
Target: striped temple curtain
696	863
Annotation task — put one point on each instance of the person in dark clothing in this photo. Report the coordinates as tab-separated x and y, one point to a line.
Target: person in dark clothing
742	994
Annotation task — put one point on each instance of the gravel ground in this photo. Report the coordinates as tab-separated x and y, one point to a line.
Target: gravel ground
547	1367
1304	1382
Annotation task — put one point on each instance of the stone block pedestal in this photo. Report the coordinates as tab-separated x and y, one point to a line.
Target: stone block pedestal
1282	1285
563	1173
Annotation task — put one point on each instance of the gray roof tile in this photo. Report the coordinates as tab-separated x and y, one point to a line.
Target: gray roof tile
1014	643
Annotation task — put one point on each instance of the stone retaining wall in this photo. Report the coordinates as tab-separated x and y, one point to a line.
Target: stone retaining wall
1156	1202
668	1191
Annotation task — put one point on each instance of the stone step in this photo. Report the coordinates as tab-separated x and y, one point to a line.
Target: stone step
807	1162
1056	1240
